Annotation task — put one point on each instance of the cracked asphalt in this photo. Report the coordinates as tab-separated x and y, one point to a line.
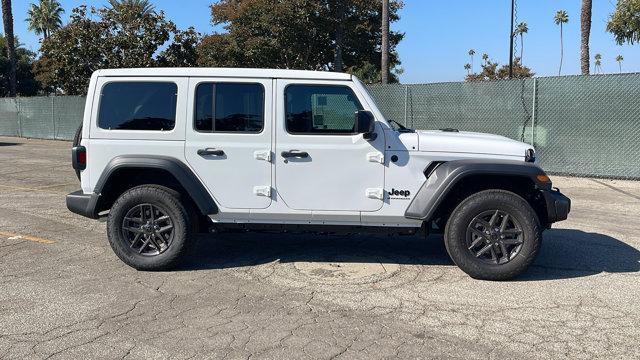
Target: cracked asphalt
64	294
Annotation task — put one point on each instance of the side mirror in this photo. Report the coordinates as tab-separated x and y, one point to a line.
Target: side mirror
366	124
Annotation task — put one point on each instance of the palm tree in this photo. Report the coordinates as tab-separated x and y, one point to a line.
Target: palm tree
585	32
7	20
619	59
385	42
521	29
467	67
471	53
45	17
485	57
598	59
142	6
561	18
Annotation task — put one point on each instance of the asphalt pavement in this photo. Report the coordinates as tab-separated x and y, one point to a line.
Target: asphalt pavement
64	294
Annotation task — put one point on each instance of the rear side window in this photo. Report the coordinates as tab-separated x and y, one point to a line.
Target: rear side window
320	109
138	106
229	107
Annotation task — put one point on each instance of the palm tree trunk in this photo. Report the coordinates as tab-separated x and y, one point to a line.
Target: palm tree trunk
561	51
338	63
585	32
385	42
521	47
7	19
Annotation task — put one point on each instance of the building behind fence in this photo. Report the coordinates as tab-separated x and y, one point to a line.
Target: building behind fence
580	125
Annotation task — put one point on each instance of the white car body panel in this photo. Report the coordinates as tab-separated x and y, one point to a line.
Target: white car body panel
470	142
337	185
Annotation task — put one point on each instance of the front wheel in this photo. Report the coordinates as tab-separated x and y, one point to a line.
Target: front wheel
148	228
493	235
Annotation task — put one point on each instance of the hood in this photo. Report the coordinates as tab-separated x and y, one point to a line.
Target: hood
470	142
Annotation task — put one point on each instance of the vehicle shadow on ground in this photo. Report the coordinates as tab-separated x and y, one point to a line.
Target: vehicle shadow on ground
565	253
569	253
228	250
9	144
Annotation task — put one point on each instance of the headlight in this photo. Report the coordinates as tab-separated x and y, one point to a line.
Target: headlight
530	155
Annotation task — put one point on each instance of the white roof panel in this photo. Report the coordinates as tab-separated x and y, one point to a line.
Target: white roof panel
227	72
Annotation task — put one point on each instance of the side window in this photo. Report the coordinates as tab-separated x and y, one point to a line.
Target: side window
229	107
128	105
320	109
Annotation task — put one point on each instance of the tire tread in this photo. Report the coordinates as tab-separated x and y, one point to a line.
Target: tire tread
477	269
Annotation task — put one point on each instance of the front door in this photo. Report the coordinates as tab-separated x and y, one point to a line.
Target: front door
321	164
228	139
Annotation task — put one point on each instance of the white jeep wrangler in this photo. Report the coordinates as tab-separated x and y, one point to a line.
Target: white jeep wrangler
168	152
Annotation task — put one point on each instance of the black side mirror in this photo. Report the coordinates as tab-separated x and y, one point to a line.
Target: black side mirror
366	124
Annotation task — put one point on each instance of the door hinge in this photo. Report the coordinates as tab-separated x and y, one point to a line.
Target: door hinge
376	157
262	155
375	193
262	191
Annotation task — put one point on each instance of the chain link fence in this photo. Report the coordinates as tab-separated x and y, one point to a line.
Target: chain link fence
580	125
55	117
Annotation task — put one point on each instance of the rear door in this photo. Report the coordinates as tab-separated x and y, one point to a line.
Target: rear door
228	139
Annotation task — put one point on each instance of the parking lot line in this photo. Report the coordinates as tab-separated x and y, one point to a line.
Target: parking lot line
13	236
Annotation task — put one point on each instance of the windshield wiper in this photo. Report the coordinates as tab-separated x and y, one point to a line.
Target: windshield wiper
401	128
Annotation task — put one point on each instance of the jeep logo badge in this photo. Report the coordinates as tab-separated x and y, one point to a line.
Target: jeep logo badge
394	192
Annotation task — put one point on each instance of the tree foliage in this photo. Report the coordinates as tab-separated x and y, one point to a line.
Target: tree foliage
493	71
26	83
624	23
182	52
299	34
114	37
45	17
132	6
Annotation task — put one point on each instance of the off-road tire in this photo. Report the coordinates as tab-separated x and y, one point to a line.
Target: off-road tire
179	213
455	234
77	138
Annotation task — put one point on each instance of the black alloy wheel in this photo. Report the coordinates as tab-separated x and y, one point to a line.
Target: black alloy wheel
148	229
493	234
495	237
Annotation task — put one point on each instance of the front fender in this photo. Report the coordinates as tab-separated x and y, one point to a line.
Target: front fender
447	175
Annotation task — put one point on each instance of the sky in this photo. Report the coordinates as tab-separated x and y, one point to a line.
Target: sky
439	34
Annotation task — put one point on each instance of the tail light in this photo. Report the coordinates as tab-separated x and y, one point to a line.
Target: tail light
79	157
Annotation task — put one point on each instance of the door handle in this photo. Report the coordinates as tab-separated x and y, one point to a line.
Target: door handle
210	151
295	154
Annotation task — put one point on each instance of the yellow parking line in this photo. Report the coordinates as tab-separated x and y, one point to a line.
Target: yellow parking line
26	237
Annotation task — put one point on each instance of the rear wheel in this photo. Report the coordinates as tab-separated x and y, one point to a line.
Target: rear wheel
148	228
493	235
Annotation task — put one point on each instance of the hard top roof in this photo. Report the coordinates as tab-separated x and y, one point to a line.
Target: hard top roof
227	72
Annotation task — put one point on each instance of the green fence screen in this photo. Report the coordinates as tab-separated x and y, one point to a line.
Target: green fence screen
580	125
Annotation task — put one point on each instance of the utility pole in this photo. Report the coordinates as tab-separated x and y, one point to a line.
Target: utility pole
511	41
385	42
